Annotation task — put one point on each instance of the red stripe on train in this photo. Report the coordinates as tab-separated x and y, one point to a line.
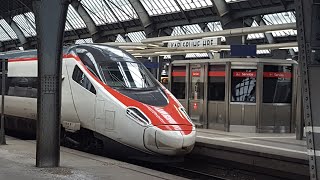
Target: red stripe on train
36	59
158	115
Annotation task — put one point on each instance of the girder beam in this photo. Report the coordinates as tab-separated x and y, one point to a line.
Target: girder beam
223	10
23	40
144	17
93	30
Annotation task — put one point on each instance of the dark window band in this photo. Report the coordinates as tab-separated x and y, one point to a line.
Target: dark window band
21	86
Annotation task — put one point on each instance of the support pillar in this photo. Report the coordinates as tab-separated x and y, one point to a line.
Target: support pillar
50	22
308	25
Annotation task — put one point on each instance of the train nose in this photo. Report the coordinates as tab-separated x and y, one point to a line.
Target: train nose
178	141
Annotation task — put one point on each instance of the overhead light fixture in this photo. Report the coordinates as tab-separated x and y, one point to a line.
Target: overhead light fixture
279	30
213	37
288	47
214	51
160	52
154	45
170	41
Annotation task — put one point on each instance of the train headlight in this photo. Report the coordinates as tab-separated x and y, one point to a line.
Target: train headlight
138	116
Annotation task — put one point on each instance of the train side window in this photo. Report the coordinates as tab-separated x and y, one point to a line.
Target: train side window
243	85
88	58
79	77
22	86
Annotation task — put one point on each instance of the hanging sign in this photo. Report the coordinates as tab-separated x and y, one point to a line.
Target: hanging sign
244	74
286	75
196	74
243	50
209	42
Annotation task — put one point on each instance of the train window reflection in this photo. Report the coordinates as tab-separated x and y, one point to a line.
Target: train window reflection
124	74
243	85
22	86
178	85
89	60
79	77
216	85
277	84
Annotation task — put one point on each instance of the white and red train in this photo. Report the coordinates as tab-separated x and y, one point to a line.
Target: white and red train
106	94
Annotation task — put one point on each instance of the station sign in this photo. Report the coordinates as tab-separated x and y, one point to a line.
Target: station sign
196	43
286	75
151	65
196	74
243	50
245	74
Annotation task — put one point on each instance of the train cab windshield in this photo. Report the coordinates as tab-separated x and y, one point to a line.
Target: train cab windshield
116	68
120	70
126	75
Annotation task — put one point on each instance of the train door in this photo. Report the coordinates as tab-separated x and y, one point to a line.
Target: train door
242	107
178	83
84	95
196	95
276	113
216	96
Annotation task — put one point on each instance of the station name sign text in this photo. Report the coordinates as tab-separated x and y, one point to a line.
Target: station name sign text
193	43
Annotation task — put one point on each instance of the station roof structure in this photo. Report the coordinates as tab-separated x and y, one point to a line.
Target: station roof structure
133	20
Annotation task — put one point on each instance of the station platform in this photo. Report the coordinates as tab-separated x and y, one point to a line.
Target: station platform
17	161
267	151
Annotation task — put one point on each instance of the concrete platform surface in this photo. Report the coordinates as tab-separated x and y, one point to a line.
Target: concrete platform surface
284	145
17	161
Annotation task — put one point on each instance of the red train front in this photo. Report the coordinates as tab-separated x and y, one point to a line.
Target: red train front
131	107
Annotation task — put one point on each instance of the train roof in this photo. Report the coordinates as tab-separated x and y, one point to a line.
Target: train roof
33	52
236	61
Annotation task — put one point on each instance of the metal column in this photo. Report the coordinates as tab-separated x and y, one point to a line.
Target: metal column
50	23
4	69
309	62
259	96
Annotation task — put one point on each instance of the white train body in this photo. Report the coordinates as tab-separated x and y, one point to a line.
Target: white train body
89	101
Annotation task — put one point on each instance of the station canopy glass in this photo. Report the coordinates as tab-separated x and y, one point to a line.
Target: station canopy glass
109	12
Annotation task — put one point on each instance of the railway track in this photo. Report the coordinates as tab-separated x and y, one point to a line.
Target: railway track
202	169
